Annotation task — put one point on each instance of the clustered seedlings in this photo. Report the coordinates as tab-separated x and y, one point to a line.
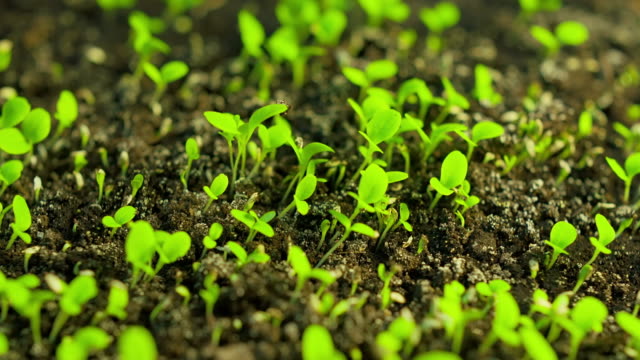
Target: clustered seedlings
571	33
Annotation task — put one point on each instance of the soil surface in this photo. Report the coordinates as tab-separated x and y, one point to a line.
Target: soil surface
257	315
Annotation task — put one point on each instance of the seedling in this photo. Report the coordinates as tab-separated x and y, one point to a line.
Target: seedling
82	343
253	37
505	321
384	124
374	71
4	342
193	153
73	297
393	221
452	174
318	345
284	45
218	187
6	47
256	224
66	111
570	33
484	130
100	175
631	325
450	311
453	100
303	270
210	294
271	138
377	11
631	169
110	5
484	91
10	172
168	73
399	340
562	235
117	303
137	343
145	43
386	276
306	187
531	7
21	221
441	17
418	88
258	255
606	234
587	315
122	217
136	184
328	28
534	343
211	240
306	162
35	126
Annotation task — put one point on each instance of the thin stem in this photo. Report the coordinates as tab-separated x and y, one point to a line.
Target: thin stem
333	248
435	201
58	323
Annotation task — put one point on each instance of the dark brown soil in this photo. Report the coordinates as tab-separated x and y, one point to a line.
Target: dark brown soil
257	313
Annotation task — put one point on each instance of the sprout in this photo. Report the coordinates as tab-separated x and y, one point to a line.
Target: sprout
418	88
384	124
535	344
136	184
168	73
570	33
587	315
10	172
374	71
328	28
631	169
530	7
73	297
394	220
306	162
35	126
258	255
484	91
505	321
218	187
483	130
306	187
453	100
82	343
117	303
386	276
21	221
256	224
318	345
66	111
193	153
137	343
562	235
100	175
631	325
122	217
450	311
303	270
284	45
211	240
452	174
5	56
251	34
606	234
210	294
441	17
402	334
379	10
144	43
4	342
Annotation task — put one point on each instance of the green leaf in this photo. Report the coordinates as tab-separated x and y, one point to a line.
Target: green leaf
545	37
310	150
439	187
173	246
125	214
355	76
632	165
251	33
329	27
563	234
437	355
373	184
453	170
11	171
572	33
318	345
66	109
14	111
237	250
36	126
301	205
306	187
396	176
140	245
629	323
173	70
244	217
21	213
380	70
153	73
486	130
219	184
264	228
384	124
264	113
192	149
414	86
536	345
342	219
588	314
441	17
283	45
136	343
617	169
364	230
92	338
298	260
80	290
225	122
606	232
453	96
110	222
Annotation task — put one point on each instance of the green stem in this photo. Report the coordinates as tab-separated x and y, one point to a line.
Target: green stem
333	248
434	202
58	323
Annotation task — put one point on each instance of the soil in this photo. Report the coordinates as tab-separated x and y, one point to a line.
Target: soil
257	314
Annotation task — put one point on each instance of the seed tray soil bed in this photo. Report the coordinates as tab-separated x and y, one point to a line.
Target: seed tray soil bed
258	314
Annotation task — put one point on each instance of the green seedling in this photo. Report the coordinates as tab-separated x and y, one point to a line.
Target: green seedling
185	293
530	7
35	126
284	45
116	305
418	88
306	187
631	169
37	189
393	221
136	185
73	297
122	217
553	312
534	343
10	172
303	270
251	33
562	235
437	355
137	343
489	291
606	234
631	136
218	186
21	221
384	124
464	201
327	305
271	139
484	130
452	174
232	128
82	343
193	153
145	44
66	111
631	325
179	7
379	10
454	317
585	124
318	345
210	294
633	112
399	340
453	100
6	47
571	33
4	342
258	255
168	73
375	71
329	26
306	162
100	175
386	276
211	240
441	17
587	315
256	224
483	90
110	5
505	321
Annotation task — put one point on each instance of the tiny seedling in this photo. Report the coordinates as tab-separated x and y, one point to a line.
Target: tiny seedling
453	100
122	217
631	325
66	111
73	297
193	153
123	162
329	26
534	343
631	169
562	235
35	126
284	45
464	200
10	172
483	90
570	33
393	221
303	270
251	33
256	224
373	72
168	73
82	343
399	340
452	174
386	276
117	303
318	345
258	255
450	311
377	11
505	320
441	17
137	343
210	294
100	175
211	240
587	315
606	234
305	188
20	294
136	185
418	88
218	186
530	7
306	162
6	47
21	221
382	127
484	130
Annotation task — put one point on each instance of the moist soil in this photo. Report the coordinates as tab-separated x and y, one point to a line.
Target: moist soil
257	315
